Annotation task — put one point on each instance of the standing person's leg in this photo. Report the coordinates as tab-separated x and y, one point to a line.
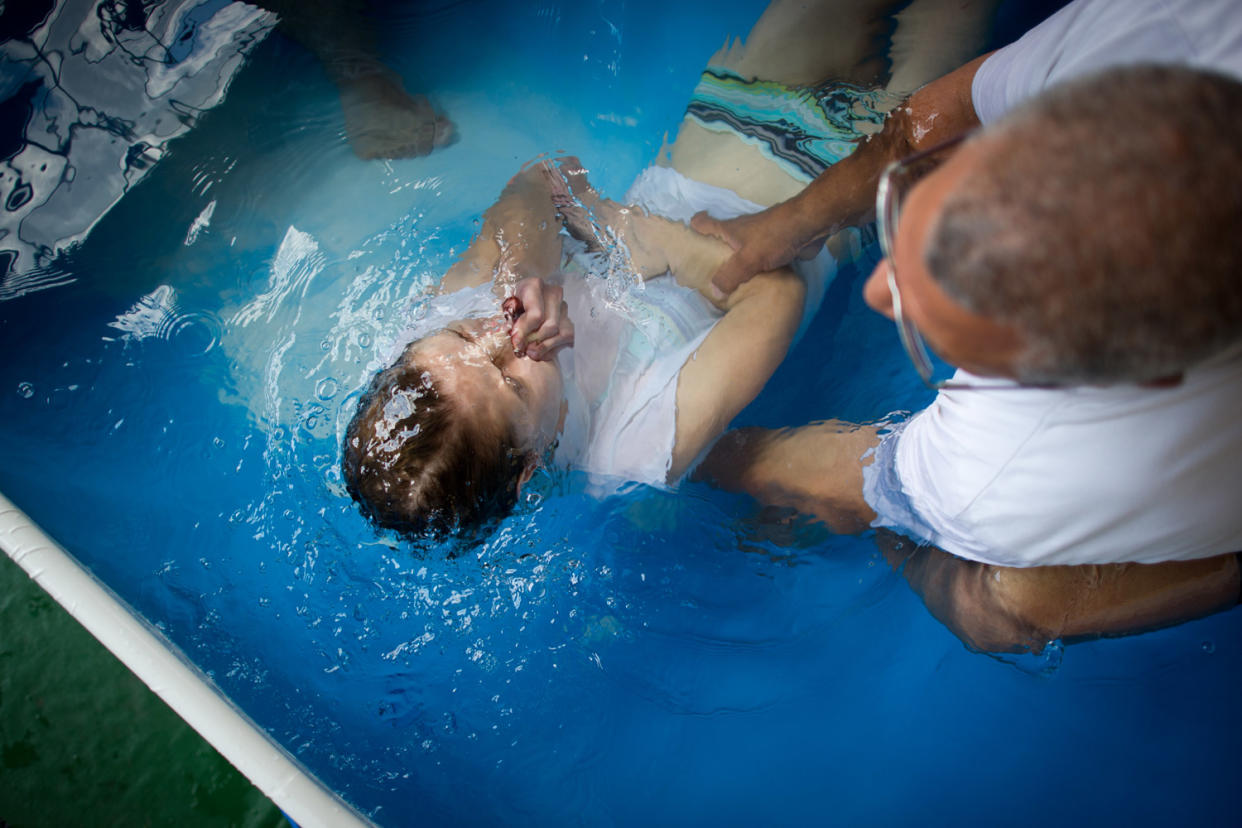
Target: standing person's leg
934	37
897	44
800	43
382	119
809	79
748	98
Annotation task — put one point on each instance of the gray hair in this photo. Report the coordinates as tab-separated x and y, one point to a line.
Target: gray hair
1102	224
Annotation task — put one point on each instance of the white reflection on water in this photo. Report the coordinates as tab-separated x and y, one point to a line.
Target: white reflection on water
102	98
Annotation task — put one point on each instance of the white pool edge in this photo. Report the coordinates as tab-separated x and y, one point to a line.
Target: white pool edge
183	687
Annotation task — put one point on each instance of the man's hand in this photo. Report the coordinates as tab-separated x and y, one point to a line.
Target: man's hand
540	319
761	241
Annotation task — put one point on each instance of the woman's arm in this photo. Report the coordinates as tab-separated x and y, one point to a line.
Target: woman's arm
650	245
520	237
517	248
735	361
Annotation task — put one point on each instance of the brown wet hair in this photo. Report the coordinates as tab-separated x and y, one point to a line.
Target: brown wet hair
417	461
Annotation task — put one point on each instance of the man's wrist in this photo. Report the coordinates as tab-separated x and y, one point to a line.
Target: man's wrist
809	216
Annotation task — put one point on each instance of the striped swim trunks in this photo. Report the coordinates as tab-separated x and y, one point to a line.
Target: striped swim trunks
803	129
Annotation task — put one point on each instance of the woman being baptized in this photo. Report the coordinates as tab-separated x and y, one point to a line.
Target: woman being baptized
611	353
608	354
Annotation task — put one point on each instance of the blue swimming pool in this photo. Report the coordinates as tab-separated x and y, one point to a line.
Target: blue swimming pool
171	414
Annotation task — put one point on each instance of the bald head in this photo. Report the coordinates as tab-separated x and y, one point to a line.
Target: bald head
1100	221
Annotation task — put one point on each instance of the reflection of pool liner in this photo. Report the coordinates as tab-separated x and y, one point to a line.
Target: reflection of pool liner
182	686
97	98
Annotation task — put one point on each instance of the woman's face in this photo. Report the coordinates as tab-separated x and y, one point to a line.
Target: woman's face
473	359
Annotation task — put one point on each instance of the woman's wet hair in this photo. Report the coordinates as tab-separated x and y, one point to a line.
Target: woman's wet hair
1101	222
417	461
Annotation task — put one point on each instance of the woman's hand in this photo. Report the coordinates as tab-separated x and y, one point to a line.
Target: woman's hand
540	319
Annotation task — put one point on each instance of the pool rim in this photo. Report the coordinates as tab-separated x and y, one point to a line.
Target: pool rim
162	667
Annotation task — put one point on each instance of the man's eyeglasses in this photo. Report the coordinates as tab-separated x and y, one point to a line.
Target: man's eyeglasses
896	182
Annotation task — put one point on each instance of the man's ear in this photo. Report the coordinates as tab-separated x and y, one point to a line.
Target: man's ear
528	471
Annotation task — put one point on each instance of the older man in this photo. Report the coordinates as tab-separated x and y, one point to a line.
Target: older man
1076	262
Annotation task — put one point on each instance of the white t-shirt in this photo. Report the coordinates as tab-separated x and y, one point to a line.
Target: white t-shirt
1086	475
1090	35
1025	477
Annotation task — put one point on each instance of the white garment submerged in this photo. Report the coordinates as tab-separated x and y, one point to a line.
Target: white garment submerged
1027	477
630	348
1091	35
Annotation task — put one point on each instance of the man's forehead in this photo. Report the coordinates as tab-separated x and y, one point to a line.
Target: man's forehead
959	335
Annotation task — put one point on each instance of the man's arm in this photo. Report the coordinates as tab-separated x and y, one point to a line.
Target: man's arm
844	194
816	470
1011	609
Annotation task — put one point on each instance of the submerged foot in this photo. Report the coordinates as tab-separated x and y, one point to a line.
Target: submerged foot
382	120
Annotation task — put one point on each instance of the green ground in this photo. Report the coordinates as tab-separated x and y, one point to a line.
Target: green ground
84	742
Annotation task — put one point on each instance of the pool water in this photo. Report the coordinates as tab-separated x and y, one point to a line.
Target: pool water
173	414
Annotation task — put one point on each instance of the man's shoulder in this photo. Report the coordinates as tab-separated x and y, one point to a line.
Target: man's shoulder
1090	35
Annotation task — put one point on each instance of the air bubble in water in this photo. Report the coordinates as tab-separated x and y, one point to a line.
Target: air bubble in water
326	388
25	390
